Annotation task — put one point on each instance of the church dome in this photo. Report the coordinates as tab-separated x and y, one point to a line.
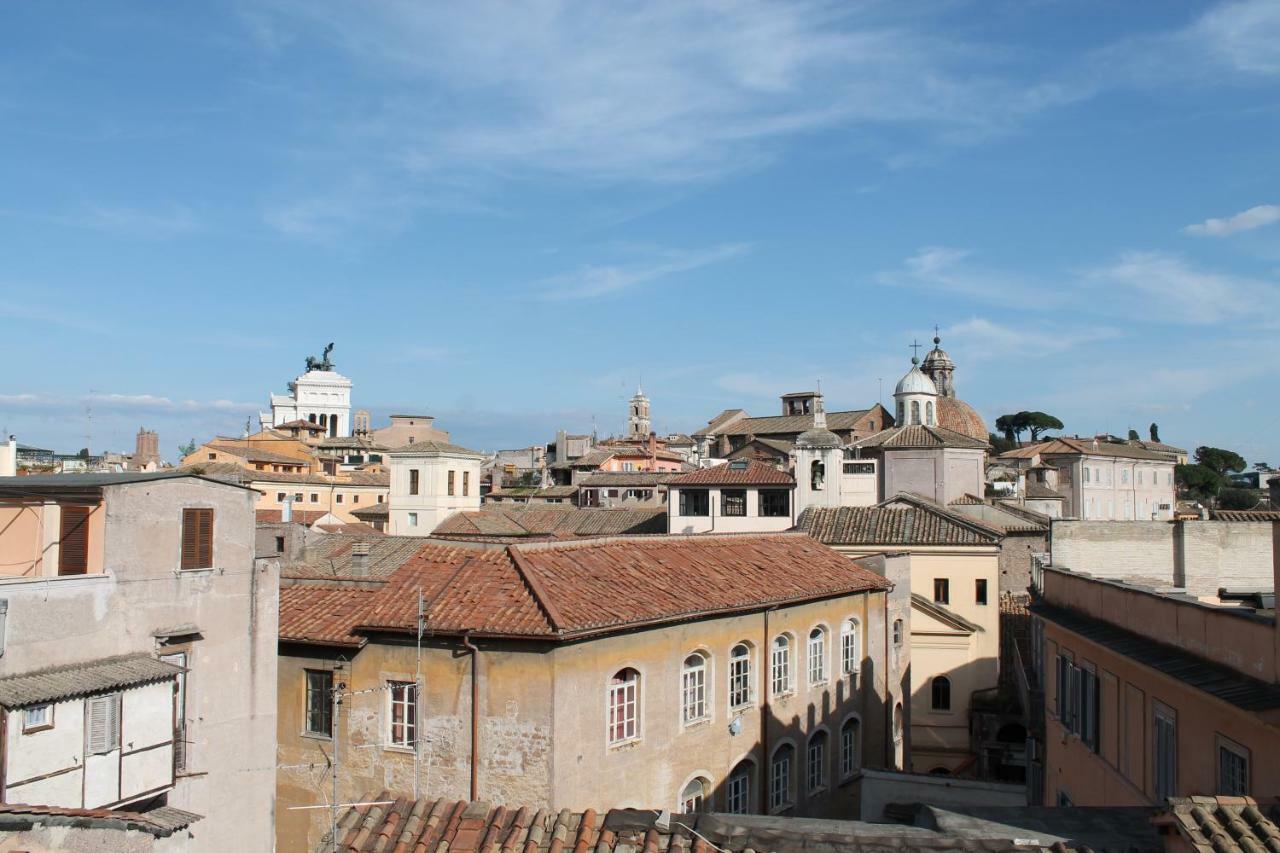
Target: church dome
959	416
937	359
915	382
819	438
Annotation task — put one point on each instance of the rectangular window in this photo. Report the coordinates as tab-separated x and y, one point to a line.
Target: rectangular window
942	590
817	657
817	764
775	503
780	780
733	502
849	748
179	711
413	519
781	667
739	680
37	718
1165	735
413	481
338	498
695	502
197	539
623	703
1233	769
980	591
73	543
297	498
450	486
355	499
279	544
102	724
315	498
404	714
280	496
466	483
319	702
693	690
737	795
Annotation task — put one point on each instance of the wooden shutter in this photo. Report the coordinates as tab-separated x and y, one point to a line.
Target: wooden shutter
73	545
102	724
197	538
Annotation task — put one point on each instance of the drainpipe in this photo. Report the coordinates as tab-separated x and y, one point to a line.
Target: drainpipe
764	715
475	714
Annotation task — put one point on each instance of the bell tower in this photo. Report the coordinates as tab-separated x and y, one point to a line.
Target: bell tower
638	416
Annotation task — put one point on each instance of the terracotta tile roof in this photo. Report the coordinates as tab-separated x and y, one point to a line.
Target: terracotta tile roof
254	453
1244	514
892	525
322	614
918	435
329	556
300	516
740	473
967	500
565	590
538	520
433	447
642	479
299	424
788	424
715	424
590	459
1003	517
159	822
387	823
59	683
1214	824
535	491
1074	446
372	512
958	416
1042	492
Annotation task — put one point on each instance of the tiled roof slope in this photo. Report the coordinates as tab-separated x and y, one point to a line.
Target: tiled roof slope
501	520
256	454
1244	514
300	516
433	447
1067	446
386	823
958	416
159	822
919	435
736	474
82	679
328	557
1214	824
640	479
234	473
787	424
590	459
373	511
603	583
563	590
884	525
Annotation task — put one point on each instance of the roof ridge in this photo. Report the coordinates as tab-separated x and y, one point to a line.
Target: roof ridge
539	592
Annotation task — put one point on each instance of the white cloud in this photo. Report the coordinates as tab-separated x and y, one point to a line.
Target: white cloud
1243	35
1165	287
1254	217
595	281
112	402
949	271
980	339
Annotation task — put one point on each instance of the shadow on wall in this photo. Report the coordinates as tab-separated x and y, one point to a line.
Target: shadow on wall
942	707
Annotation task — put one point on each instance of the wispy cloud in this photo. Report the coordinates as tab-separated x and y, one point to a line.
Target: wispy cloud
591	282
951	271
1254	217
981	339
163	221
107	401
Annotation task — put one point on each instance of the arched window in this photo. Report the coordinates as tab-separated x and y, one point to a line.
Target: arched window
816	762
624	706
311	417
780	665
817	655
781	770
940	691
693	689
928	413
693	798
898	745
817	475
902	412
897	632
737	789
850	746
850	651
915	411
739	675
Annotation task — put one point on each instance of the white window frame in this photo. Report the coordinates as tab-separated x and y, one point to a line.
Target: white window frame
698	802
1226	746
397	700
737	792
102	724
780	777
850	746
33	722
816	762
694	696
816	655
780	666
739	677
851	649
624	707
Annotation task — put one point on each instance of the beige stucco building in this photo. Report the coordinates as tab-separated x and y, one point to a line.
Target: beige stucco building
954	620
430	481
138	664
730	673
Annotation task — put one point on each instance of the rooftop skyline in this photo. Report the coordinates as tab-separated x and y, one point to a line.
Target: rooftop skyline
508	217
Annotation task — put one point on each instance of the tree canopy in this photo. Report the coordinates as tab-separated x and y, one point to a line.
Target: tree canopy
188	448
1199	482
1035	423
1220	461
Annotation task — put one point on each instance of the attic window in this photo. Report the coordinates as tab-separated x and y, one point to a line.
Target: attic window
739	465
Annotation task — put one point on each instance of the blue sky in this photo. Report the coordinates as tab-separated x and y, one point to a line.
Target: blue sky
508	216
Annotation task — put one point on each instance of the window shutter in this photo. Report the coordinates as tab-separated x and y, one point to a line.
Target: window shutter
197	538
73	547
102	724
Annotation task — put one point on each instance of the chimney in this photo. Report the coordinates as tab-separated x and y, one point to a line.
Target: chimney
360	559
653	451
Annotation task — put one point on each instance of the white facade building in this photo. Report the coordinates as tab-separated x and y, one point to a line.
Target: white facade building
319	396
431	480
736	497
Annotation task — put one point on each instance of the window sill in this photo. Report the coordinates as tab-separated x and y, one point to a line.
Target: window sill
782	809
35	729
210	570
395	747
315	736
848	780
700	723
817	792
624	745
